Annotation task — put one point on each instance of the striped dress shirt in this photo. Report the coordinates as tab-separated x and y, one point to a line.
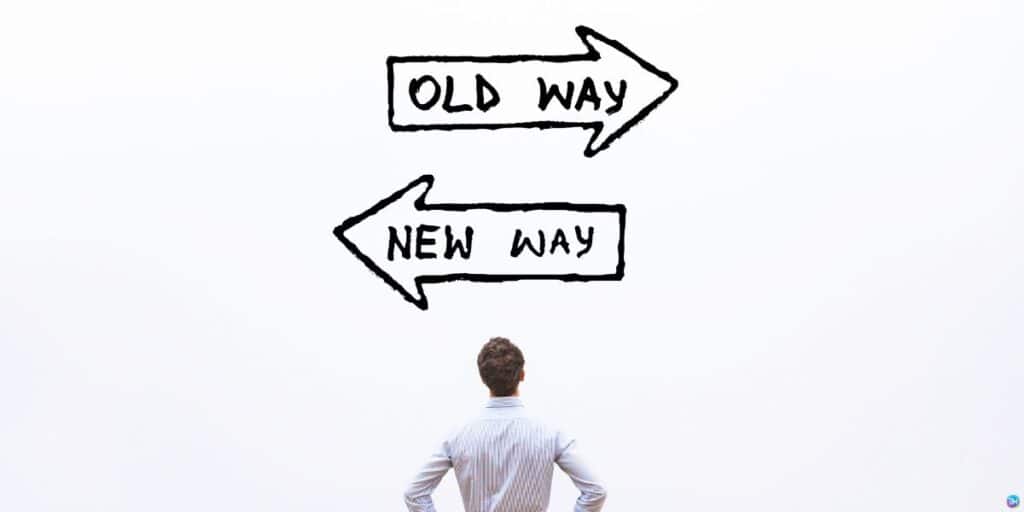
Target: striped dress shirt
504	461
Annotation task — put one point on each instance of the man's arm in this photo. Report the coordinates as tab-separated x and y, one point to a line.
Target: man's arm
592	493
417	495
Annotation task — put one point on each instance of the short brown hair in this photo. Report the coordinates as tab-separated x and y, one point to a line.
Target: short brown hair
500	364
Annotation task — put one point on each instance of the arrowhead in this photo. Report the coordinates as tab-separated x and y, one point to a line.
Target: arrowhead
368	229
648	87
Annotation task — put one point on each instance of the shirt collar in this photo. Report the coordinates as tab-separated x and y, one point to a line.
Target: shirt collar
504	401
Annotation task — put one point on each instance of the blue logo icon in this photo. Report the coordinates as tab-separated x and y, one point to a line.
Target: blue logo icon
1012	501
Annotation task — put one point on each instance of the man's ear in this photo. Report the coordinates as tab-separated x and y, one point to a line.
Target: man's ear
522	375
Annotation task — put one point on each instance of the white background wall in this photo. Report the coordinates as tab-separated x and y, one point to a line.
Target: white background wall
823	298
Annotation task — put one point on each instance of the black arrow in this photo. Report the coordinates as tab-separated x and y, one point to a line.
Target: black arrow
407	242
609	89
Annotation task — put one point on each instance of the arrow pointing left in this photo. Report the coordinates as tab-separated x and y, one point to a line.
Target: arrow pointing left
407	242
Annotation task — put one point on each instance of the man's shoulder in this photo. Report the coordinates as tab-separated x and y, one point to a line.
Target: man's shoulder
483	421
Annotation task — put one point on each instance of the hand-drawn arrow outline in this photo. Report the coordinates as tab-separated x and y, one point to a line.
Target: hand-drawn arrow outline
420	204
592	55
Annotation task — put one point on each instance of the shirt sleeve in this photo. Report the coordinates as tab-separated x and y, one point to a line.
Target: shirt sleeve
417	494
592	493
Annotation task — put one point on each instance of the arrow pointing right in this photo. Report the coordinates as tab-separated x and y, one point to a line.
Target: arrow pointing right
407	242
608	89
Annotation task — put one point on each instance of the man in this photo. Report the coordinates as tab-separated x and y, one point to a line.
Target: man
504	459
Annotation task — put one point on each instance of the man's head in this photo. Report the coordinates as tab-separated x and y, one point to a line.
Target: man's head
501	366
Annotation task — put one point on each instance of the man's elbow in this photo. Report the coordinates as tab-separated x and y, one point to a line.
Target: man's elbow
596	495
413	497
